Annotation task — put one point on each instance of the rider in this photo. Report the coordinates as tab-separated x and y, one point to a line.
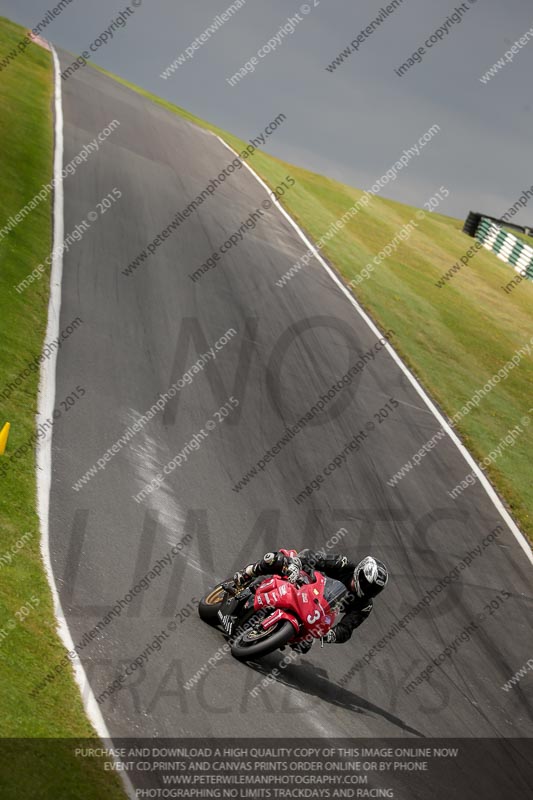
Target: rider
363	580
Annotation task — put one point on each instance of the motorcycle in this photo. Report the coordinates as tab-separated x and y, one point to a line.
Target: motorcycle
270	613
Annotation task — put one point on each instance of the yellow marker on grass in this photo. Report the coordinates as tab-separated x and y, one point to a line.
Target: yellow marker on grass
4	433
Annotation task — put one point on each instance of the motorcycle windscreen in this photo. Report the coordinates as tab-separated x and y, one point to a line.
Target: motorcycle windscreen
334	593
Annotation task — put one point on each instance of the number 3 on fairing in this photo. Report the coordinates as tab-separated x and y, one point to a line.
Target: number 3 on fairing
314	618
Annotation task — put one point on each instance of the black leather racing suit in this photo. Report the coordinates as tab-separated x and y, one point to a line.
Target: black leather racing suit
340	568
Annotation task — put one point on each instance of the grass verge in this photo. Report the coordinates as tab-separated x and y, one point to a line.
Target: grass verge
29	645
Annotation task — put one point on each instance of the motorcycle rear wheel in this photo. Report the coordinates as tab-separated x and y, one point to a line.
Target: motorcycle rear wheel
244	646
209	605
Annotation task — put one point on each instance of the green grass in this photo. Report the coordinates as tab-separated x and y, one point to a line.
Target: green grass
32	647
454	338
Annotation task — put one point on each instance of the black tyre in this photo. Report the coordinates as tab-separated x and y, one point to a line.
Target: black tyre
257	642
209	605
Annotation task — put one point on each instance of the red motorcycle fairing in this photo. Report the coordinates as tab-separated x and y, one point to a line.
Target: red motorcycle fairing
304	607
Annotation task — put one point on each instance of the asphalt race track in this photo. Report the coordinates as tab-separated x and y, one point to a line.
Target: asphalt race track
140	334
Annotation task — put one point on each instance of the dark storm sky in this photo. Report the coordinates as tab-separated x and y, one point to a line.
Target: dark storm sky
353	123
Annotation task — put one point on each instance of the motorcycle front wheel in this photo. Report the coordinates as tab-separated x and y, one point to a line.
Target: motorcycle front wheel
257	642
209	605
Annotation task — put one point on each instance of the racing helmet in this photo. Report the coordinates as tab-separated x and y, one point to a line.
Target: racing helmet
370	577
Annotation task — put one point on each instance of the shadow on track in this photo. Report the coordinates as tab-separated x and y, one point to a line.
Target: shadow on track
314	680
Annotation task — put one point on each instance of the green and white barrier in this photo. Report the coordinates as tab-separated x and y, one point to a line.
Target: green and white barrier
506	246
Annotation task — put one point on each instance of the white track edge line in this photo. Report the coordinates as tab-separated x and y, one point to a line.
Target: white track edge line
522	541
46	401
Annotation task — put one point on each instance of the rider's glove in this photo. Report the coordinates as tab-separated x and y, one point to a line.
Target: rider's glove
330	637
292	569
241	578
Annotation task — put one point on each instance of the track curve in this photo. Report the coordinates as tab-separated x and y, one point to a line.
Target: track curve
139	334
